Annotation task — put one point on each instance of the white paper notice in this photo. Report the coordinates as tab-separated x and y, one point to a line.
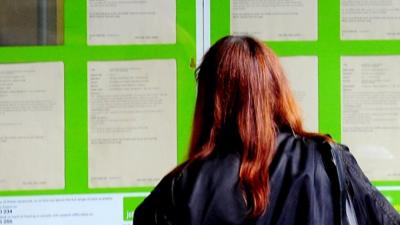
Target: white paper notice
302	72
132	122
99	209
112	22
31	126
275	19
370	19
371	113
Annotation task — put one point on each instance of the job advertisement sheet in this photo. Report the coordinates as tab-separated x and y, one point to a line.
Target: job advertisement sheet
32	126
132	122
113	22
370	19
302	72
371	113
77	209
275	19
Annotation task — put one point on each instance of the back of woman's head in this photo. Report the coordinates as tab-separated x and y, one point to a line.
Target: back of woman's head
243	98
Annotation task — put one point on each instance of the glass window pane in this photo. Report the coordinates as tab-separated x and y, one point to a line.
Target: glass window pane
31	22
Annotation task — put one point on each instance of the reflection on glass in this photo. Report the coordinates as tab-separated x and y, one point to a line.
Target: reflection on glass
31	22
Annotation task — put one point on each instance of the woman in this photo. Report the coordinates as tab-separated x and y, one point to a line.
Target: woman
250	159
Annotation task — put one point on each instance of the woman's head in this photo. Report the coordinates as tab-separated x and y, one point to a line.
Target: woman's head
243	98
241	91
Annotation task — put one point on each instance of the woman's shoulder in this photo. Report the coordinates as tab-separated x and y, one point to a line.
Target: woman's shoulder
217	165
300	147
215	173
301	160
194	189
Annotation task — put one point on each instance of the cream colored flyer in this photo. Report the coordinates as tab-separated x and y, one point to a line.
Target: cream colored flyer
371	113
113	22
132	122
302	72
364	20
32	126
274	20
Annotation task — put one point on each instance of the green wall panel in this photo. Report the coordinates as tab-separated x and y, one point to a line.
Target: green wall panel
75	53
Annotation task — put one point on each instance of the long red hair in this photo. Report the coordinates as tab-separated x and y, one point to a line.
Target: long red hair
243	98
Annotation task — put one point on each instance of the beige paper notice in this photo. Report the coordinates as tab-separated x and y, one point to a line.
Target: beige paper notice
302	72
132	122
372	19
113	22
32	126
275	20
371	113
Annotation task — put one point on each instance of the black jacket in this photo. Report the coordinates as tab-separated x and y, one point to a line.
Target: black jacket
304	190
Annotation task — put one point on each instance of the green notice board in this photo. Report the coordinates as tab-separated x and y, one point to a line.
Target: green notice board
75	53
329	48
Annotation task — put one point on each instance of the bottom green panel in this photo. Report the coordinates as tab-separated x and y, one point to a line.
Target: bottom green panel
130	204
394	198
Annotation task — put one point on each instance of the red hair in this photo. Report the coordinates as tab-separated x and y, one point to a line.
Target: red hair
243	98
